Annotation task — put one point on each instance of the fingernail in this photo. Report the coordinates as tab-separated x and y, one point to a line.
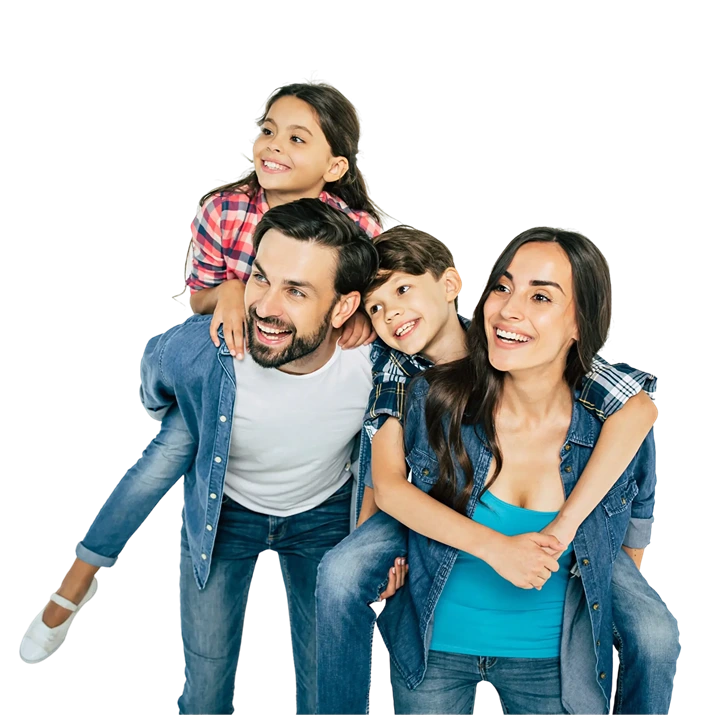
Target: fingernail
392	569
233	353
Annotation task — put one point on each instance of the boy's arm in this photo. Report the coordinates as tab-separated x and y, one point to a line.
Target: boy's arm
369	507
619	441
520	559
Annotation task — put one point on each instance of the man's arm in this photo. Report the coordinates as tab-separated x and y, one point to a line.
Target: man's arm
620	439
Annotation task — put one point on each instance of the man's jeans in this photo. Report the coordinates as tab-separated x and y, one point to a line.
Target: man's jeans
212	619
353	574
525	685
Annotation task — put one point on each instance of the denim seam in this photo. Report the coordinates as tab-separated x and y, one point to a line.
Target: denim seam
618	699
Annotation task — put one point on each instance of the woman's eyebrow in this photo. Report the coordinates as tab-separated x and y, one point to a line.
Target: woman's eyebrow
547	283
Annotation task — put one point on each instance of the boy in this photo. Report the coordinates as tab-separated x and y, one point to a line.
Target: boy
412	303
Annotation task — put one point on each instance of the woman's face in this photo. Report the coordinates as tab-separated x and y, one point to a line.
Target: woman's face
530	316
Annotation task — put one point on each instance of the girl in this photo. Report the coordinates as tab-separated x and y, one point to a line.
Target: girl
500	437
308	143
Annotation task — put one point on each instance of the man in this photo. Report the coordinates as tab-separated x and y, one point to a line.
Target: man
273	437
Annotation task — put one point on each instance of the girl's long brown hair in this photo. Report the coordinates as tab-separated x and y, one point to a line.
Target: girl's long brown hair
467	391
339	121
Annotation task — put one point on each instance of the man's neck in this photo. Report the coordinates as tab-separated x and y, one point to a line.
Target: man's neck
450	343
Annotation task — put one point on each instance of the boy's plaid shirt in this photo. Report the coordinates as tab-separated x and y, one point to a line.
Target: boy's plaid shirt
605	389
222	235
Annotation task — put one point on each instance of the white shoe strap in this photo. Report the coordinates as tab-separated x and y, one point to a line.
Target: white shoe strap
62	601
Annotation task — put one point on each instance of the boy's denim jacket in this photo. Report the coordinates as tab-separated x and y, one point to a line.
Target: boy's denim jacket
624	516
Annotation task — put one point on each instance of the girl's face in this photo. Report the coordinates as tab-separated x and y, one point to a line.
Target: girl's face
291	155
530	316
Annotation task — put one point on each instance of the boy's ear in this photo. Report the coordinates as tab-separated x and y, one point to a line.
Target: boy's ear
452	282
347	304
337	169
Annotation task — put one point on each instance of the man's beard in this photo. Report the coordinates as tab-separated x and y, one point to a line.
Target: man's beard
300	346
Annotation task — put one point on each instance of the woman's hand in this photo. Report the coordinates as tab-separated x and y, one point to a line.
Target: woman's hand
231	313
356	331
523	560
396	577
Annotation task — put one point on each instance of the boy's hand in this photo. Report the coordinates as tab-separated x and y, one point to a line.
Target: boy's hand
396	577
230	312
563	530
523	561
356	331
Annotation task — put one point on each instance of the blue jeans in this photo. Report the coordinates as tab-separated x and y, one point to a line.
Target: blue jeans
212	619
168	456
353	574
525	685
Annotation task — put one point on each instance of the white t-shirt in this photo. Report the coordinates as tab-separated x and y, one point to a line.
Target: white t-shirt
292	435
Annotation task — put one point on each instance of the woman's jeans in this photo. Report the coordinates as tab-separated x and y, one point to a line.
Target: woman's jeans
354	573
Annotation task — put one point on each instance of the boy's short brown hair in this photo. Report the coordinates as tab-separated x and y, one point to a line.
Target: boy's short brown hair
407	250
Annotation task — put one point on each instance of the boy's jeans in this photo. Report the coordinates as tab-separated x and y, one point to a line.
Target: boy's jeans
212	619
353	574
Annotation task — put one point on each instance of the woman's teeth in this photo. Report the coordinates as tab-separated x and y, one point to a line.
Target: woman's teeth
504	335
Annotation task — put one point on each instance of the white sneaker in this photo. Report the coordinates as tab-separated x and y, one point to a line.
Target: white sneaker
41	641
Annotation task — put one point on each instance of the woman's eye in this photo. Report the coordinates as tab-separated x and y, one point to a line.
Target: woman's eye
373	309
297	140
541	298
402	290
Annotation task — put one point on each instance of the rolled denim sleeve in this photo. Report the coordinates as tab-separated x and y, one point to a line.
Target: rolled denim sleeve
639	528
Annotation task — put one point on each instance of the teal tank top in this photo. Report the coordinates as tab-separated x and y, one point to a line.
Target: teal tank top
481	613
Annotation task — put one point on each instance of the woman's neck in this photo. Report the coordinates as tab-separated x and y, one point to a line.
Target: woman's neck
532	397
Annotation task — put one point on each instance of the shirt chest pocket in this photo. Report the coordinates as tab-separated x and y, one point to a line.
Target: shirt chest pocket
617	507
424	469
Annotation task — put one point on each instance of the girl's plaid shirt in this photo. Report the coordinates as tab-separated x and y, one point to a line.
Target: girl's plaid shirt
222	235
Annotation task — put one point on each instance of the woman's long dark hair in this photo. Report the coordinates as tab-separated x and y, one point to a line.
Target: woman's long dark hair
467	391
339	121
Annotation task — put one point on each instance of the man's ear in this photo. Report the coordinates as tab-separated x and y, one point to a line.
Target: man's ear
452	282
344	308
338	168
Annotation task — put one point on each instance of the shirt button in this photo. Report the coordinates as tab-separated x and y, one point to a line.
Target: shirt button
623	500
209	527
602	676
598	643
213	496
347	466
567	447
204	557
425	472
223	418
217	460
585	562
568	469
595	606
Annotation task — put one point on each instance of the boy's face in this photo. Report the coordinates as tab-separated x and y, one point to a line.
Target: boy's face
410	313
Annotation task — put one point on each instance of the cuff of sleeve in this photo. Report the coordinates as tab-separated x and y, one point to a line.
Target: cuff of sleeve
93	558
638	533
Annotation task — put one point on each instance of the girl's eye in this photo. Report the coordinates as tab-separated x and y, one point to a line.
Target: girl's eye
541	298
266	131
402	290
297	140
373	309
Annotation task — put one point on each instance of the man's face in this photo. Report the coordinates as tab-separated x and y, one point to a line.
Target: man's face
290	297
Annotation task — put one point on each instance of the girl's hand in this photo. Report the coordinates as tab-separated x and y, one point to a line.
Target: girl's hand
396	577
231	313
356	331
523	561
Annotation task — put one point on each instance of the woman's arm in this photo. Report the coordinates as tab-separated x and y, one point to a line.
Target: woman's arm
620	439
519	559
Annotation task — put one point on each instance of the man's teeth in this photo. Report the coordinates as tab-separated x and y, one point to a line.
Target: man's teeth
273	165
271	331
512	336
404	328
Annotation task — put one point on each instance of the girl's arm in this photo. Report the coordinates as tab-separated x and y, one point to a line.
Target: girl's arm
225	301
519	559
620	439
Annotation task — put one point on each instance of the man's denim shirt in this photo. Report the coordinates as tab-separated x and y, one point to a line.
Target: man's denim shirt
624	516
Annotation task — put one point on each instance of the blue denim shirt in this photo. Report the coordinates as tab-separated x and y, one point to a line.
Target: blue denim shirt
625	516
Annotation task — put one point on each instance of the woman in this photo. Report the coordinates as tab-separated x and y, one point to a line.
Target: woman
499	437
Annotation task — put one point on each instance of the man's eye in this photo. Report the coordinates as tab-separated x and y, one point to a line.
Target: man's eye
296	293
374	309
258	277
402	289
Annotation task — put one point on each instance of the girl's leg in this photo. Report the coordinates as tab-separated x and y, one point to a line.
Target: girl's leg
164	461
526	685
646	635
351	577
449	685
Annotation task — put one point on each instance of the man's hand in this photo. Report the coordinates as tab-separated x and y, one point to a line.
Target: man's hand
396	577
230	312
523	561
356	331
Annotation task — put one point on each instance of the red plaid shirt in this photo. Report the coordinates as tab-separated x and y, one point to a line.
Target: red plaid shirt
223	235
